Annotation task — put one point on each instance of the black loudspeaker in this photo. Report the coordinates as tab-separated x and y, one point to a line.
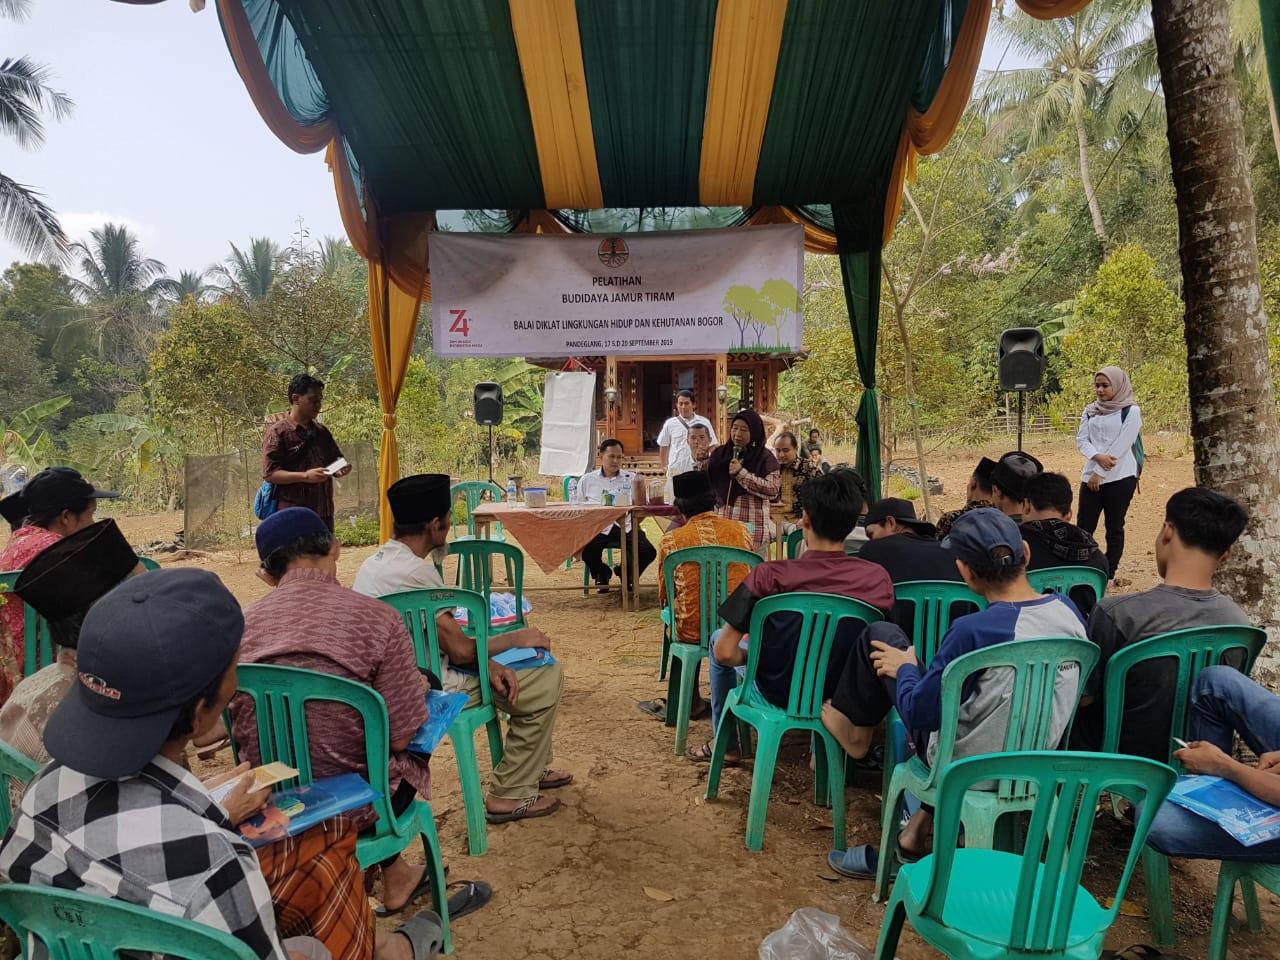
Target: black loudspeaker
488	403
1021	359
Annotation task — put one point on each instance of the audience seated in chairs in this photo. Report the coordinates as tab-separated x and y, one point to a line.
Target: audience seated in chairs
832	505
1051	537
420	505
311	621
882	671
1200	526
117	814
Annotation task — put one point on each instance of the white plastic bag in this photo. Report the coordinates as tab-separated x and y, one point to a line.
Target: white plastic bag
811	934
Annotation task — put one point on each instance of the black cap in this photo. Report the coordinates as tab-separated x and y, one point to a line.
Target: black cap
688	485
902	511
285	527
67	577
1012	473
55	489
146	649
14	509
419	498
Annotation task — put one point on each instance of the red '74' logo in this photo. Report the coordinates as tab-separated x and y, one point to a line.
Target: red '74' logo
460	323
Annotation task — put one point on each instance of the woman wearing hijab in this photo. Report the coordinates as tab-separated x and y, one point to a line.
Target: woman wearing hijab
744	475
1109	427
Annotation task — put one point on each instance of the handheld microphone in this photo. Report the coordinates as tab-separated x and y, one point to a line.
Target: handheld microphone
737	454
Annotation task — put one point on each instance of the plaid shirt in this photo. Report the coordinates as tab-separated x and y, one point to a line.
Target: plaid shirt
157	840
752	504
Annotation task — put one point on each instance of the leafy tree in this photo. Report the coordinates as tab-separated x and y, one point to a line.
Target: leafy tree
33	295
251	273
24	377
1092	69
118	290
25	95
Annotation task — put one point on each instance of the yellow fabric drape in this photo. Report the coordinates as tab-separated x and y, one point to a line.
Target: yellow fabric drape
744	59
928	132
300	137
816	239
335	156
393	320
555	84
1051	9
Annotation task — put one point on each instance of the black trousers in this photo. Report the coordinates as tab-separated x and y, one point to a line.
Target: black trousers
860	694
1111	501
595	548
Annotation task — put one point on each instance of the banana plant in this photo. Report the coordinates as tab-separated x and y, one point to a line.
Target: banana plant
24	440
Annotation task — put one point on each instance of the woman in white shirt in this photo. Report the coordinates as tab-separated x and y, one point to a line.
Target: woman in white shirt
1109	427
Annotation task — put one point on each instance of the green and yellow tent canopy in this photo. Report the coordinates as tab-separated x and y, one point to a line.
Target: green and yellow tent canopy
608	115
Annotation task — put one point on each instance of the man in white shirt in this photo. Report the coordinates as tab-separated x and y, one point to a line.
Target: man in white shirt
673	441
421	505
611	479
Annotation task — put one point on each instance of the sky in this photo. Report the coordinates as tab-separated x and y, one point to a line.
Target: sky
164	137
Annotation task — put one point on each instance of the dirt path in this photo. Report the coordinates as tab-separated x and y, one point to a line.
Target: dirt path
574	884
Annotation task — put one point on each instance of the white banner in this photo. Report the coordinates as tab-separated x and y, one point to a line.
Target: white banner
568	424
697	291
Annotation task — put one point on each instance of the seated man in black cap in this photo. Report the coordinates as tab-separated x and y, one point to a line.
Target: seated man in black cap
704	527
116	814
62	583
421	505
907	548
977	495
1009	480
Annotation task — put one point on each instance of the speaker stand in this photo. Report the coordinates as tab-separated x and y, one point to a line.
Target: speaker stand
1020	394
491	446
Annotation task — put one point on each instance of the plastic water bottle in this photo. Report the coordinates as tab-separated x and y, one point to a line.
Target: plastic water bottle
511	489
573	489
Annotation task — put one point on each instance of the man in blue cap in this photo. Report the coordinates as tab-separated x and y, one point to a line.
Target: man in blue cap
882	671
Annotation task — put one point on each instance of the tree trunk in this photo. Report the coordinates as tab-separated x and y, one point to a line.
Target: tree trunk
1091	195
1233	414
1271	109
909	383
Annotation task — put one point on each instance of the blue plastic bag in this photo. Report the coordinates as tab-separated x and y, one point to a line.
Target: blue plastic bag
266	502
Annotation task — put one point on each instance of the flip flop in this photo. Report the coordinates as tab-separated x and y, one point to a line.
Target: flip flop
656	708
702	754
423	887
552	784
471	896
523	812
425	933
859	863
903	855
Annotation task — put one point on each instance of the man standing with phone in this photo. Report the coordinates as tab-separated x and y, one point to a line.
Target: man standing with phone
673	441
299	454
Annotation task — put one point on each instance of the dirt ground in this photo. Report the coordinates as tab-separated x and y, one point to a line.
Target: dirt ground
637	860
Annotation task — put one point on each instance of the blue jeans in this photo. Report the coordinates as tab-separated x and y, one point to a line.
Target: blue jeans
1223	701
723	680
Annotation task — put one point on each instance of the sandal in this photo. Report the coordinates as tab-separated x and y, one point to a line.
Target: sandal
702	754
654	708
860	862
470	897
548	782
525	811
425	933
903	855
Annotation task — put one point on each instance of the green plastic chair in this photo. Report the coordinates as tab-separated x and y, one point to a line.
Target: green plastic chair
280	696
934	605
1070	581
821	615
474	492
792	542
79	926
419	609
37	644
1035	665
986	904
16	770
714	565
1248	875
475	572
148	563
1191	650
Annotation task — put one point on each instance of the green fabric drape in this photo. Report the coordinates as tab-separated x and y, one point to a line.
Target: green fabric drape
652	94
1270	10
858	237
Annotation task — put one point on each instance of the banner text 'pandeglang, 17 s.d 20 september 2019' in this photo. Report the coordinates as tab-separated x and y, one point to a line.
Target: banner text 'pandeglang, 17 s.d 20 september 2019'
703	291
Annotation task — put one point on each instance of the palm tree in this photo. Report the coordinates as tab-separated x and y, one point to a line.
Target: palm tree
116	318
25	95
1094	68
249	274
190	283
1233	412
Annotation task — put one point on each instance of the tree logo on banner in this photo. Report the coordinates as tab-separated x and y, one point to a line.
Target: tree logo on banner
757	310
613	251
